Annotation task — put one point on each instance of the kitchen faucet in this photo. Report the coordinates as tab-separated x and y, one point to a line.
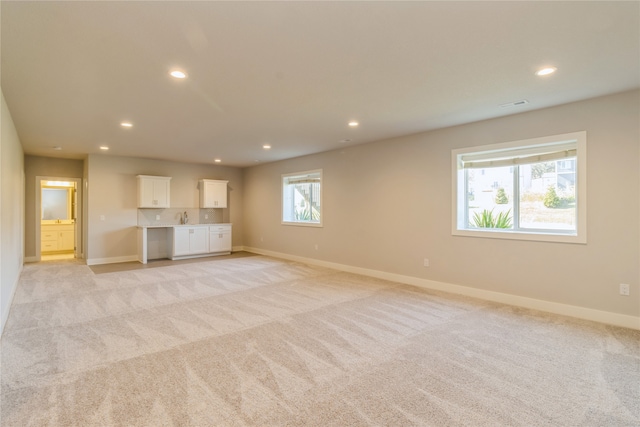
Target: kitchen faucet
185	218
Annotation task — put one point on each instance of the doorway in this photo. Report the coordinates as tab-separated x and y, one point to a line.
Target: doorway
57	220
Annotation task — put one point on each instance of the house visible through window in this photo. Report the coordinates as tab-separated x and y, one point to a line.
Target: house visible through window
302	198
531	190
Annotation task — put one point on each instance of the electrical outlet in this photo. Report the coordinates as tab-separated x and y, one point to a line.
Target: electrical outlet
157	217
206	216
624	289
261	239
426	262
316	246
102	218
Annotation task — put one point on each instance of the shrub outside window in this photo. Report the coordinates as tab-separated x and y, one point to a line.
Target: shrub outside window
302	198
529	190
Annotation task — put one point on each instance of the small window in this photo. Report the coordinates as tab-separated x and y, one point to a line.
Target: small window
302	198
529	190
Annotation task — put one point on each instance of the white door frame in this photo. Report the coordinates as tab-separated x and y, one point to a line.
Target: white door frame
78	251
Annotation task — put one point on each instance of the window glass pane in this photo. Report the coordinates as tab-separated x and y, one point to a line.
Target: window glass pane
548	195
490	197
301	198
306	202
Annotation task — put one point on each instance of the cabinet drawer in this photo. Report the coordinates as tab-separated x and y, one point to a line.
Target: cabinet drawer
49	246
49	235
219	228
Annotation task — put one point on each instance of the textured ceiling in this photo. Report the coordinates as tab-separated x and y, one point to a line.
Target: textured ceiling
292	74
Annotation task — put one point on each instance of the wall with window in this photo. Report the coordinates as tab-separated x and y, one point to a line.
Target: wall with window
387	206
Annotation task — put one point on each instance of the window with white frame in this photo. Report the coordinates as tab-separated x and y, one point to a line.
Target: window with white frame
530	190
302	198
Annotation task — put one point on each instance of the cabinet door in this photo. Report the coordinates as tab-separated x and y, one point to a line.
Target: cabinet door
180	241
198	240
161	193
66	240
154	192
219	240
145	193
213	194
225	241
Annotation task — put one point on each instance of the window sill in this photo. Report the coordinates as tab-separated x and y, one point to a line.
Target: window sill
512	235
303	224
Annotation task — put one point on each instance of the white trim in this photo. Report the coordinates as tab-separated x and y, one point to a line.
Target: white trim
606	317
31	259
5	313
78	225
302	224
112	260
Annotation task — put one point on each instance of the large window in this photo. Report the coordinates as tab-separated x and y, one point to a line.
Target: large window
302	198
530	190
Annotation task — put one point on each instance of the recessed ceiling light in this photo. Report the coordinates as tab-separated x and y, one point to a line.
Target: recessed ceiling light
546	71
126	124
266	146
217	160
104	147
57	148
345	140
353	123
178	74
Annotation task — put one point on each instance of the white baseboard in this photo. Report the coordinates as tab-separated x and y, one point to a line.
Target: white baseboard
112	260
606	317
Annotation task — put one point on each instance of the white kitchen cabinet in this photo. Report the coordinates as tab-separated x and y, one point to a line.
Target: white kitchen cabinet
189	241
154	191
213	193
184	241
220	238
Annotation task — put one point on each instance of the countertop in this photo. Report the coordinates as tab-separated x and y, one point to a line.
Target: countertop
181	225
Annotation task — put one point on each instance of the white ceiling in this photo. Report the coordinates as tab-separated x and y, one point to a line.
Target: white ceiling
292	74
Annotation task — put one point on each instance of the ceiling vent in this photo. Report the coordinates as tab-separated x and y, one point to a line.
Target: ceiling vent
515	104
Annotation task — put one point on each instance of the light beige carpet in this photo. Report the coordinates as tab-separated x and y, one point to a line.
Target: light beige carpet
264	342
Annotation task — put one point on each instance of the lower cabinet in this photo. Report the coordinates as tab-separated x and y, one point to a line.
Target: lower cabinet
57	237
190	241
183	241
220	238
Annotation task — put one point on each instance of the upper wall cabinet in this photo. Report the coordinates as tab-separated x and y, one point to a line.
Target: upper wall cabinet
213	193
154	191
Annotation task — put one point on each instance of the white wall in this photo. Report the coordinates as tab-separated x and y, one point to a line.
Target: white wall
11	211
112	193
387	206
